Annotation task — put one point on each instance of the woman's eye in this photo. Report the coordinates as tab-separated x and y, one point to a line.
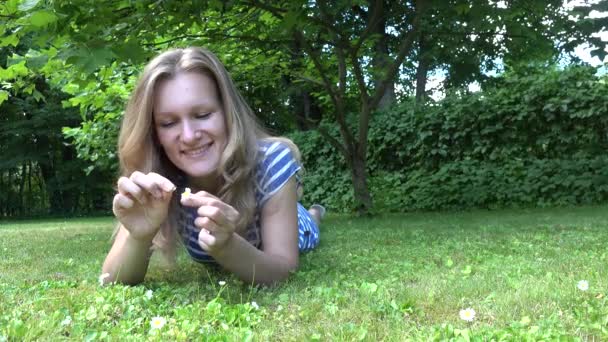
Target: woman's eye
167	124
202	115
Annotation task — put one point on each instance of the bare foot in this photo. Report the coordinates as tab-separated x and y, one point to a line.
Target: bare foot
317	212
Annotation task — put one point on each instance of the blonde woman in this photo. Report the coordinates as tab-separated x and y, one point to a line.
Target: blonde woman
198	169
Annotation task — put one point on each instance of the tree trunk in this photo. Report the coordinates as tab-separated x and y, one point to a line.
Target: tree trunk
2	194
381	58
421	71
21	202
363	199
52	189
29	182
44	196
305	108
9	211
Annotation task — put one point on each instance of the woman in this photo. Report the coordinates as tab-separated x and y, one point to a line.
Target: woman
187	127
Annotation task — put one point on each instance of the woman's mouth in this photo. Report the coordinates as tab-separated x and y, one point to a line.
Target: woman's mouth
197	152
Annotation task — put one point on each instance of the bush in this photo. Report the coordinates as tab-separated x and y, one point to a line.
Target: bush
536	138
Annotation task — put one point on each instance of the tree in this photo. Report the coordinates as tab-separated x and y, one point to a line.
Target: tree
470	39
344	55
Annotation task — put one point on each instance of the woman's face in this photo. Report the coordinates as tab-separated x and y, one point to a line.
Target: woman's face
190	125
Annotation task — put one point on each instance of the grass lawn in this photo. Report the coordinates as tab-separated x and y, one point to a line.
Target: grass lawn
393	278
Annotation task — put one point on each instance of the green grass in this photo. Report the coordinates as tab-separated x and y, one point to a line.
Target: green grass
395	277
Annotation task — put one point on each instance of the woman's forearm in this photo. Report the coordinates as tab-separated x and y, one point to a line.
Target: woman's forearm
251	264
128	259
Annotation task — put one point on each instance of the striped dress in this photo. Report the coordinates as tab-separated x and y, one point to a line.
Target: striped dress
275	167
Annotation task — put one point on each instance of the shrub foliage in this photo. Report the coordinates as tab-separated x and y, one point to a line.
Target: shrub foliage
534	137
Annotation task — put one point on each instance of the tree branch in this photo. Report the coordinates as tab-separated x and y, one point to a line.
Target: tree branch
174	39
404	48
333	141
358	10
374	17
317	62
276	11
338	46
311	80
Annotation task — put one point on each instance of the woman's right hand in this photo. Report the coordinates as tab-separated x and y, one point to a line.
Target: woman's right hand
142	203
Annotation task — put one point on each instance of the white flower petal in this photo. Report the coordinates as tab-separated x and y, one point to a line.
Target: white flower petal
157	322
187	192
583	285
103	277
467	314
66	321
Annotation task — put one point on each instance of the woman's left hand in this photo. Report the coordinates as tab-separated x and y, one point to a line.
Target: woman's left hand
216	219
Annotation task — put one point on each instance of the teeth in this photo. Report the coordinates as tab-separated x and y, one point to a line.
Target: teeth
195	152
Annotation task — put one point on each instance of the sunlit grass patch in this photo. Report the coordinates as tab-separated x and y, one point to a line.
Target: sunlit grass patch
526	274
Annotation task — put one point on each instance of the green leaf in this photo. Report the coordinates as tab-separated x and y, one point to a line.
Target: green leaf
42	18
449	262
11	6
3	96
90	60
130	51
15	70
38	96
37	62
9	40
27	5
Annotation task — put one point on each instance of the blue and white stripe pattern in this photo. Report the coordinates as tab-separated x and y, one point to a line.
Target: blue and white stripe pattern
308	232
275	168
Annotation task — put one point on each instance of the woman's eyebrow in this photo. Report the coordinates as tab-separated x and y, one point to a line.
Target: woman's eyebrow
194	108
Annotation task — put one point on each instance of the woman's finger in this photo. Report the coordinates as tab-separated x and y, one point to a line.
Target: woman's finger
203	198
206	240
148	183
128	188
206	223
214	213
122	202
162	182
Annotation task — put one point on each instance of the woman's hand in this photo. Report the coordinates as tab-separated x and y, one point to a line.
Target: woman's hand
216	219
142	203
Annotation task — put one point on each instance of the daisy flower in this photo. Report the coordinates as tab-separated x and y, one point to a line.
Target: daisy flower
222	283
583	285
467	314
157	323
255	305
187	192
66	321
102	278
148	294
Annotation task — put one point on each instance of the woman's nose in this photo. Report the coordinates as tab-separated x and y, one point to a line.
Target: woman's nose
189	132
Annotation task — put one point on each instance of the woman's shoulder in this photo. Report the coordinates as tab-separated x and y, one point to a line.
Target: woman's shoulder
276	164
270	145
273	145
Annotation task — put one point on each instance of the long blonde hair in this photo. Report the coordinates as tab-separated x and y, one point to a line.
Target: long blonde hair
139	149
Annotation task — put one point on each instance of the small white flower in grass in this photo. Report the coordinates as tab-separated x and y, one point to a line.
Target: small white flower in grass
157	323
222	283
467	314
149	294
255	305
583	285
66	321
102	278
